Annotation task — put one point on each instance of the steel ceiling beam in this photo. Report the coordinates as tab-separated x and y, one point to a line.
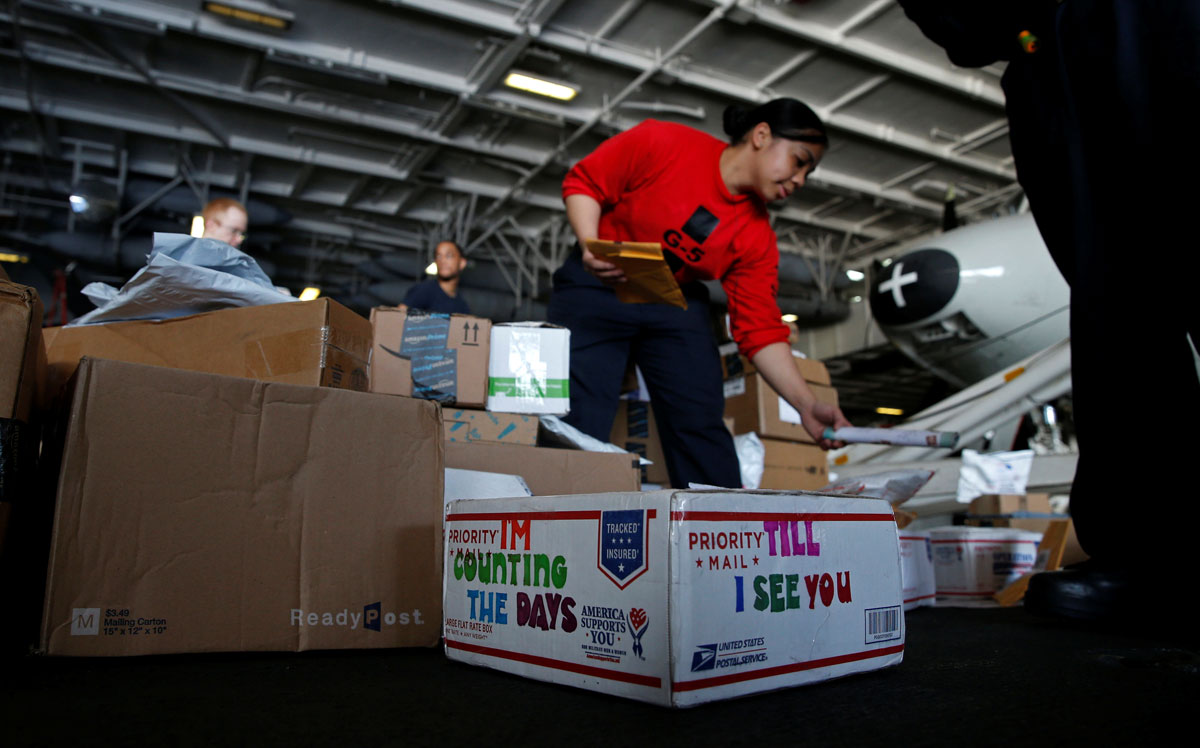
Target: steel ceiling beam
588	45
465	13
962	82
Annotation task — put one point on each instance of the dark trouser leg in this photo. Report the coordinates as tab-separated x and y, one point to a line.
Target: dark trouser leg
601	335
678	358
1101	130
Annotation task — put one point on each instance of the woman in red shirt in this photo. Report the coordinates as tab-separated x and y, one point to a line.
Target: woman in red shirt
705	201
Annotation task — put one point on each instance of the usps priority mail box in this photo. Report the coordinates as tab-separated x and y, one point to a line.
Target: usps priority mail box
916	569
971	564
674	597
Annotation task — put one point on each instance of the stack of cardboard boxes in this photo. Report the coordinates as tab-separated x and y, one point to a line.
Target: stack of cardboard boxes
244	491
234	481
240	481
792	460
1030	512
493	381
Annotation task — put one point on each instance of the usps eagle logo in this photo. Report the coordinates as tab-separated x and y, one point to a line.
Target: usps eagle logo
638	623
622	554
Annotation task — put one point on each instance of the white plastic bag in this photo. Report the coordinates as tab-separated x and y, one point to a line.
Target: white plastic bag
572	436
184	275
995	472
752	457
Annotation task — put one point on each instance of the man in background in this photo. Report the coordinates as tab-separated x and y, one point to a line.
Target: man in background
226	220
440	293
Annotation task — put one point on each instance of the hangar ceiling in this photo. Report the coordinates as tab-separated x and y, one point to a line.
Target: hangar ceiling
364	131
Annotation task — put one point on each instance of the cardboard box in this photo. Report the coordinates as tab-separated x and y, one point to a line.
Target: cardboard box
634	430
316	342
971	564
201	513
431	356
22	360
547	471
461	425
916	570
792	466
674	597
733	364
754	406
1010	504
530	369
1073	553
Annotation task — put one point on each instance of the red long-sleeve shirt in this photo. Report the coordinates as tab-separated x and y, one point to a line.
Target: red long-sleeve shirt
661	182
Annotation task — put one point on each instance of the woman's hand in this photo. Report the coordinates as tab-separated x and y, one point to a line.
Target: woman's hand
777	366
607	272
818	417
583	213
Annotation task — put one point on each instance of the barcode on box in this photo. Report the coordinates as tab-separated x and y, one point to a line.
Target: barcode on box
883	624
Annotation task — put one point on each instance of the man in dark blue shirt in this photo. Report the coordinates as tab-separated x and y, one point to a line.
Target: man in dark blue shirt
440	294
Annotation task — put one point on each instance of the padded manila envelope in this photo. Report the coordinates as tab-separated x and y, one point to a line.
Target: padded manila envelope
650	280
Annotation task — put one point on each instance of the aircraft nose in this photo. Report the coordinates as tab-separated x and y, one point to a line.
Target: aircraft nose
914	287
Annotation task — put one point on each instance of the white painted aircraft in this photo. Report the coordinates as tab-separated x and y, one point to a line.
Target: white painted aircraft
971	301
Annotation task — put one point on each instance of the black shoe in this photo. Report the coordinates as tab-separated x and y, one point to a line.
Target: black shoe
1090	593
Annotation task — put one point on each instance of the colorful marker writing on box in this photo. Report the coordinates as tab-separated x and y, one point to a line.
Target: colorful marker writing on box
895	437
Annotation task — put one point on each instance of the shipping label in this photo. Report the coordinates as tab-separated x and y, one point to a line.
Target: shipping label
122	622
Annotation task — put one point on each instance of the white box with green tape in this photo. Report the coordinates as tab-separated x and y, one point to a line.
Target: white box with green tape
529	369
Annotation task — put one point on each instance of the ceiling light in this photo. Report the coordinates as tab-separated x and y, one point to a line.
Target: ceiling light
541	86
889	411
855	275
790	318
310	293
855	299
254	12
93	200
197	226
431	269
885	261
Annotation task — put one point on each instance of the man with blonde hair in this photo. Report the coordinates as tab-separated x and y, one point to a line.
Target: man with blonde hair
225	220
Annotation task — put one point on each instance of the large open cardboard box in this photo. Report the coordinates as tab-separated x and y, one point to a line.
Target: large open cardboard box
202	513
316	342
674	597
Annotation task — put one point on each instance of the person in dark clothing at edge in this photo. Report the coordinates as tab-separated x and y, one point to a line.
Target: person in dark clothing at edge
1099	91
440	293
706	202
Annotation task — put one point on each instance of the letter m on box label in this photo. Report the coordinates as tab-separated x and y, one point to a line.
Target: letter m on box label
85	621
622	555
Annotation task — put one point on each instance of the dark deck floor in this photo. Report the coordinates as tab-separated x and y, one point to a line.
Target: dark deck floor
969	677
